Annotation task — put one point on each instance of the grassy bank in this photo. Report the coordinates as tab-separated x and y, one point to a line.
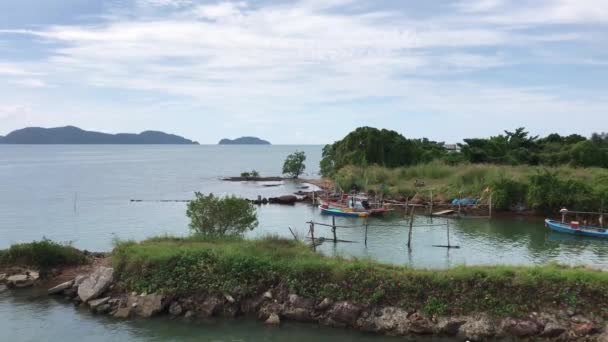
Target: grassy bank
182	266
42	255
541	188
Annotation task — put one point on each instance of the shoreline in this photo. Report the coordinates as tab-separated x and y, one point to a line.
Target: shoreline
107	290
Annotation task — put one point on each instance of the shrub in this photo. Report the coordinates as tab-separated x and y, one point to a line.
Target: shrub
216	216
44	254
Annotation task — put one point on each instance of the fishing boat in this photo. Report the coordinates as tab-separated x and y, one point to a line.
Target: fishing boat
574	227
348	212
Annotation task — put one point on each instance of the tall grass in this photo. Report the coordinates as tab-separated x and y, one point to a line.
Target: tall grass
182	266
510	183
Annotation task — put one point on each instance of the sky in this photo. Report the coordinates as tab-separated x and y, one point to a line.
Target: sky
305	71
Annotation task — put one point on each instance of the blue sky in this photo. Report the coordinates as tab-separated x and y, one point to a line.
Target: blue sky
307	71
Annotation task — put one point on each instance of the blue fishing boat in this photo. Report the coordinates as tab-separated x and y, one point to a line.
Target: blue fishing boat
575	228
325	209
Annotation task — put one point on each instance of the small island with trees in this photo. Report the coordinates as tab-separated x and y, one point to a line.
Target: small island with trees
244	141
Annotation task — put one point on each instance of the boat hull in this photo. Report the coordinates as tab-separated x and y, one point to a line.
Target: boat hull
583	231
343	212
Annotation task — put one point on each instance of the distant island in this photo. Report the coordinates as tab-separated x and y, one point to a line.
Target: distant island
75	135
244	141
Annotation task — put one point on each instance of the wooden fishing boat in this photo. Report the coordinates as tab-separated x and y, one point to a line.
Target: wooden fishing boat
348	212
574	228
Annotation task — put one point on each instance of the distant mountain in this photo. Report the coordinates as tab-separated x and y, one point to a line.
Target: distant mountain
244	141
75	135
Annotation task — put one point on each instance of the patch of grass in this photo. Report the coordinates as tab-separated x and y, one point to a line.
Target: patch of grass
247	267
43	255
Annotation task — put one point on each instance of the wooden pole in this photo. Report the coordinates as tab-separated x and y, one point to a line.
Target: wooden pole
312	235
409	234
333	228
448	224
431	213
407	201
490	205
366	231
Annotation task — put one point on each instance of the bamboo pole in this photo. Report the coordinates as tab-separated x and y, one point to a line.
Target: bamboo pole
312	235
366	231
490	205
448	224
409	234
333	228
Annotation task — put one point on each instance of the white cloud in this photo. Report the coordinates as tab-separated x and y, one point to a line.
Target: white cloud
242	58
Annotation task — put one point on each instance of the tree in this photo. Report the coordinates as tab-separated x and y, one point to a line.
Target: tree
221	216
294	164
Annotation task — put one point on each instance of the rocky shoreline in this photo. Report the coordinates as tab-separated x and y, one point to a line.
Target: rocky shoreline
98	289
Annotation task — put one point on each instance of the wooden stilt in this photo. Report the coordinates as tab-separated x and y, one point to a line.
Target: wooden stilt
312	236
490	205
366	225
409	234
333	228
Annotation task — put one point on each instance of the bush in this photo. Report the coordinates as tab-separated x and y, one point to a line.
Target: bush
215	216
43	255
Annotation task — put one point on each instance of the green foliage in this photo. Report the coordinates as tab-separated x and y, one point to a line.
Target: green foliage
368	146
44	255
251	174
517	148
547	191
294	164
179	266
217	216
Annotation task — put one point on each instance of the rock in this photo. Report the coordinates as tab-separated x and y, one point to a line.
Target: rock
324	305
421	325
477	329
93	304
230	310
103	309
229	298
449	326
22	280
388	320
71	292
267	295
287	199
3	278
345	312
123	312
552	330
61	287
79	279
149	305
583	329
269	309
175	309
297	314
251	305
210	307
520	328
273	320
96	283
189	314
